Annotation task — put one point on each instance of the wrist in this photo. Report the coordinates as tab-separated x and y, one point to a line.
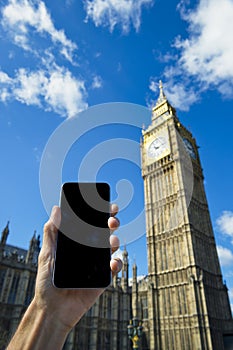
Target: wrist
39	329
48	316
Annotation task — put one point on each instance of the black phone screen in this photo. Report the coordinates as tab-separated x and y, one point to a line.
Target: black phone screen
83	251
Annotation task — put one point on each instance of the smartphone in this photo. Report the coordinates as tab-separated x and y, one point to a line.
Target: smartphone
83	253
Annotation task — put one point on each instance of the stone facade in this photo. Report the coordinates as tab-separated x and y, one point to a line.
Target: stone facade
18	269
182	303
188	301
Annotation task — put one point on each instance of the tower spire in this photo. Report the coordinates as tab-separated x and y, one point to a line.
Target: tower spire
5	234
33	250
162	106
135	292
162	96
125	270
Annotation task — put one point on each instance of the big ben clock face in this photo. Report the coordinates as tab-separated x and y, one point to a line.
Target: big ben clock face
189	147
157	147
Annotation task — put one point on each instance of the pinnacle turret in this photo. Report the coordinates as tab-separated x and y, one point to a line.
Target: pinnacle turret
162	97
5	234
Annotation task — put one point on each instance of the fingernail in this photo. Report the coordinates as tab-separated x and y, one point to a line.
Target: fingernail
119	265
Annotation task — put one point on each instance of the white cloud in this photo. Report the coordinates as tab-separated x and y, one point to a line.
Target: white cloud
22	18
50	87
37	154
29	86
5	82
4	78
177	93
69	2
4	95
65	93
207	53
55	90
110	13
225	223
97	82
98	54
205	57
154	85
119	67
225	256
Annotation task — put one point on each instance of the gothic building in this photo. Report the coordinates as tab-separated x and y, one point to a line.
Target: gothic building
17	279
182	303
188	302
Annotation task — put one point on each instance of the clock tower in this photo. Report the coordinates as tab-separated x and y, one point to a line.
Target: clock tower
188	305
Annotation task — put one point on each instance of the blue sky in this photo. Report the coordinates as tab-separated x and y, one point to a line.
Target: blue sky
60	57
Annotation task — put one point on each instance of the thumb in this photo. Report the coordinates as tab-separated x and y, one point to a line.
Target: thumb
50	230
55	216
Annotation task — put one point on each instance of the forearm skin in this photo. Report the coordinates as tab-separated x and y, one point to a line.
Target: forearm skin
39	329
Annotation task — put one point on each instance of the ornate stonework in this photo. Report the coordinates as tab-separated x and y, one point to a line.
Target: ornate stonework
188	305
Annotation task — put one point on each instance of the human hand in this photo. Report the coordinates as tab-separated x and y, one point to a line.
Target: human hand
68	305
53	312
